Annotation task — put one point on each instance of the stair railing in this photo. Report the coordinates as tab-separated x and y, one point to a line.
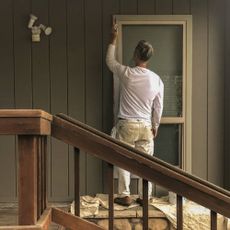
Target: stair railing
33	127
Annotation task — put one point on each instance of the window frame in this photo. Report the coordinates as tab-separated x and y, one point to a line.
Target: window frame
186	119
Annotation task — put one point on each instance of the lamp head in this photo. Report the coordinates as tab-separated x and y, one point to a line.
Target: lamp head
32	20
47	30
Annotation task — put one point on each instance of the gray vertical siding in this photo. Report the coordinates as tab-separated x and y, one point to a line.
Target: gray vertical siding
181	7
40	57
128	6
7	100
216	92
227	97
22	55
146	7
94	82
199	11
164	6
66	73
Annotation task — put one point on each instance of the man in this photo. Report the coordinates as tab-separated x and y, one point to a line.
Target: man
140	108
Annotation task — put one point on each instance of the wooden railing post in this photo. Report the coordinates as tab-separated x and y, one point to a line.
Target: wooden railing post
32	128
32	151
27	186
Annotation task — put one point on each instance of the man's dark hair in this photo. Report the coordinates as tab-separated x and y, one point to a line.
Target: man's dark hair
143	51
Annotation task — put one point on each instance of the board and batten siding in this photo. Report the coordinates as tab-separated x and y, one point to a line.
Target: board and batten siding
226	99
66	73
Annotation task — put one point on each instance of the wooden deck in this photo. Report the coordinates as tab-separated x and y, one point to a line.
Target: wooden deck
123	219
9	215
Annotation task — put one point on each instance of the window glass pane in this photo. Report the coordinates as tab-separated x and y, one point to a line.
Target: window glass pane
167	41
168	144
172	96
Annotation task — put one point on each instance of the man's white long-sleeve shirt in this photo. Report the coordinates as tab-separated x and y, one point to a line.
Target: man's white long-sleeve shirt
141	91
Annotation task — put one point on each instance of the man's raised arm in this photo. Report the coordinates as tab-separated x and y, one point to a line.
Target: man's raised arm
111	61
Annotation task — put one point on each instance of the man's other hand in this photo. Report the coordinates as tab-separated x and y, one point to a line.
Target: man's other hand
154	131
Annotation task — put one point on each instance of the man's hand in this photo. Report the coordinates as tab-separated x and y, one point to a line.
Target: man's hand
154	131
114	33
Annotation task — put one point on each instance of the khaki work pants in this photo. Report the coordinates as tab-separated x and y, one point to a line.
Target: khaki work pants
137	134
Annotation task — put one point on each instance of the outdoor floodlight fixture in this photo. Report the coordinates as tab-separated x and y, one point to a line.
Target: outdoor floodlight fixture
36	30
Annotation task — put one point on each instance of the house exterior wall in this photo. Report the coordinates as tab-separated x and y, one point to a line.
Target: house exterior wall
66	73
226	100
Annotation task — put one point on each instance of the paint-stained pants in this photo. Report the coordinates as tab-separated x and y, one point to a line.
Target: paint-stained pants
137	134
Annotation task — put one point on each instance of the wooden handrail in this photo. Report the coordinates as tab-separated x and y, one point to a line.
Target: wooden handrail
150	168
157	160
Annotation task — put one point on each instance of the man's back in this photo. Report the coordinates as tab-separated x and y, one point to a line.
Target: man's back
139	87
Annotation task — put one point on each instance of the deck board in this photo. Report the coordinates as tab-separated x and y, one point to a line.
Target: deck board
9	214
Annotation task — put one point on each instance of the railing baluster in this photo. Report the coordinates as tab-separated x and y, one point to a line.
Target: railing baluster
77	181
213	220
111	190
145	205
44	154
179	212
39	177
